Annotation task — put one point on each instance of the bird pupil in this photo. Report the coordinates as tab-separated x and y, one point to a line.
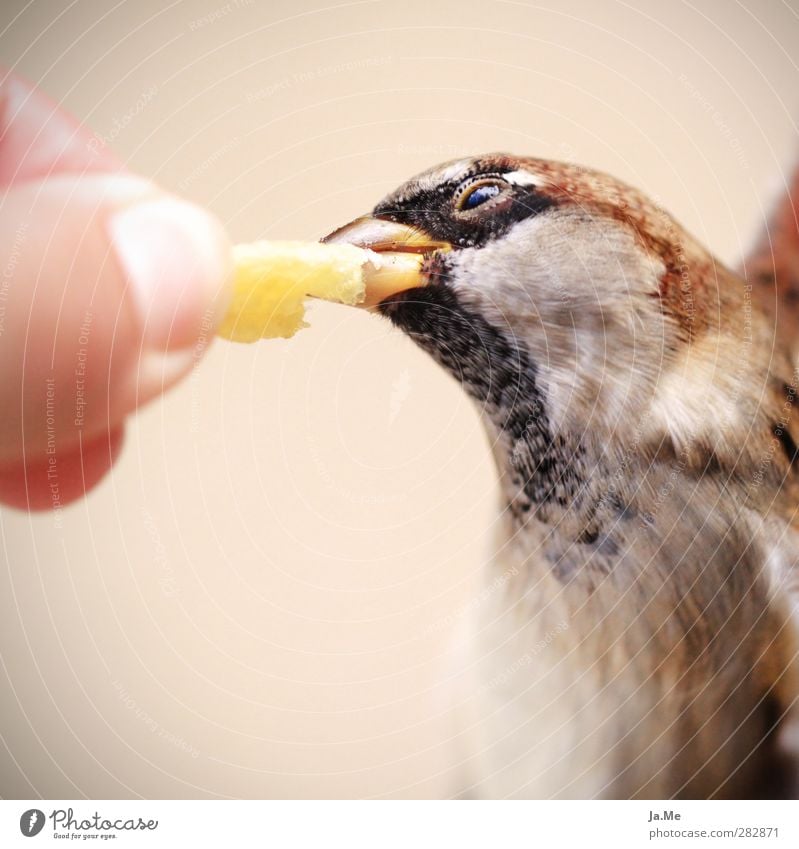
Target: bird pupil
480	195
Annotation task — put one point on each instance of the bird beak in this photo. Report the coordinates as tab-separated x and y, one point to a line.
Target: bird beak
401	251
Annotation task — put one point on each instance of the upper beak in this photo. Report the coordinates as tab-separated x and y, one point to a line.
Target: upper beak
401	251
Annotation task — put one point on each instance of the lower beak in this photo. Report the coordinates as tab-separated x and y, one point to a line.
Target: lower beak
399	251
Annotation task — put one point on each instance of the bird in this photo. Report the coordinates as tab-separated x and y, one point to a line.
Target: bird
637	630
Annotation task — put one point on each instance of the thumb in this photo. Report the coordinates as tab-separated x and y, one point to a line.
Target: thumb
108	290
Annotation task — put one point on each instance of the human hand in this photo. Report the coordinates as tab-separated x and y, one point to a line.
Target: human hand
109	290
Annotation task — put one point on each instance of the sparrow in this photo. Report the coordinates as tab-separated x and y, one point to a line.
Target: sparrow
637	632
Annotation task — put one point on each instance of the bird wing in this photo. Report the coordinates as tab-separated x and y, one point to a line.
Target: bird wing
772	270
772	267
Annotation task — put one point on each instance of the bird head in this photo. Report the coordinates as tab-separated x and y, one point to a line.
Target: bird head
565	302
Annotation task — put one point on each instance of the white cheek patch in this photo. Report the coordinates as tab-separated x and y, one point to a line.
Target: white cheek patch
576	290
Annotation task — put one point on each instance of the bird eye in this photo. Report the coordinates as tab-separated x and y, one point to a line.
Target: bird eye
476	195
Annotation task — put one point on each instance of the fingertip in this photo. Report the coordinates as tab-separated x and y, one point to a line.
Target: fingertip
177	261
50	481
39	139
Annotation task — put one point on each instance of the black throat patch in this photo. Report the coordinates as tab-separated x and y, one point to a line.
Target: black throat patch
498	372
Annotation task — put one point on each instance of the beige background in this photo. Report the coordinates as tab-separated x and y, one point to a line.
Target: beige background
255	602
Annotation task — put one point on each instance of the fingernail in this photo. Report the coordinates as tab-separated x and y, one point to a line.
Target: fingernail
176	258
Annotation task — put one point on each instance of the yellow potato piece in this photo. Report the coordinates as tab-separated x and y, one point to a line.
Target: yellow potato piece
272	279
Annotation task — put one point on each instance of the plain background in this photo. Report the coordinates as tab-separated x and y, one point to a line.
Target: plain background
256	602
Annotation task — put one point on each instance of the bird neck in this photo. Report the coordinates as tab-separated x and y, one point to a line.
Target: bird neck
541	472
